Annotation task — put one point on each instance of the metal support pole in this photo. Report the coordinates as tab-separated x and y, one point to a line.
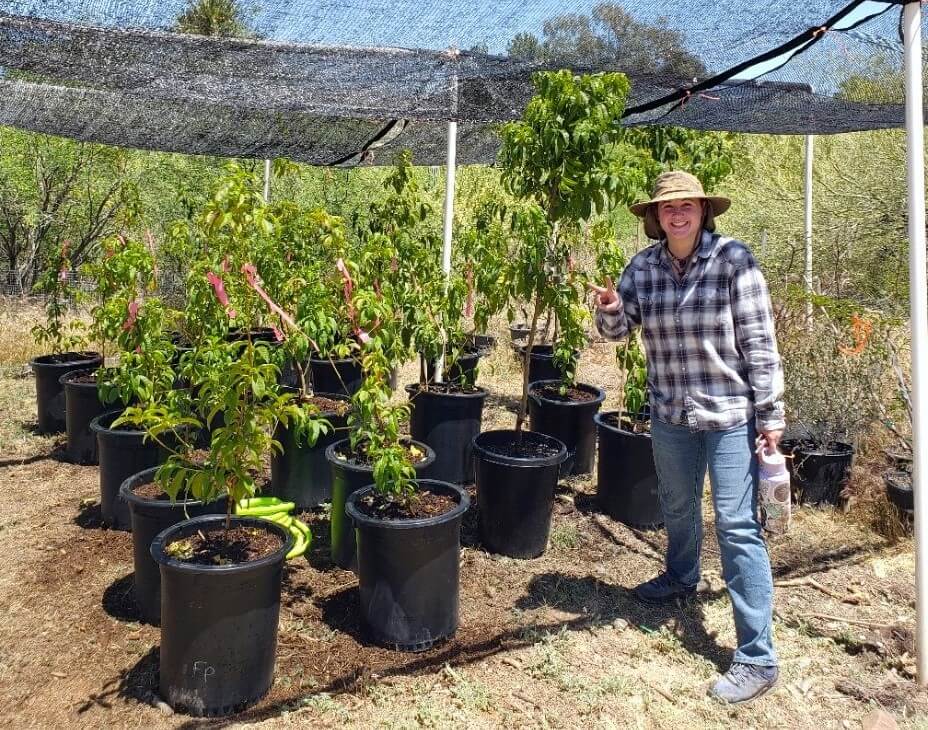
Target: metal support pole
450	172
267	181
810	147
918	303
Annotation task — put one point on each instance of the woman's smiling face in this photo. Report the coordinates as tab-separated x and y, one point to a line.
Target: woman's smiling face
680	220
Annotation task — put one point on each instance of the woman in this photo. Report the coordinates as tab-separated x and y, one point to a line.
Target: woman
715	384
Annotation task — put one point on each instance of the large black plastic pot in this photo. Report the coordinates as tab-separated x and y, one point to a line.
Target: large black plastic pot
49	393
515	494
571	422
821	472
301	473
464	368
149	517
899	492
408	572
348	478
82	405
336	375
448	423
541	363
483	343
218	623
626	480
122	452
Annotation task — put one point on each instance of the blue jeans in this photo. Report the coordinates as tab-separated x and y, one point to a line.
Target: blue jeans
681	456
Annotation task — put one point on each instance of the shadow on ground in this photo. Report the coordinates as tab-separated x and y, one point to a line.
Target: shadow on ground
119	600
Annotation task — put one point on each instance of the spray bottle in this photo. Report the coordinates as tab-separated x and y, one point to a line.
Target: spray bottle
773	489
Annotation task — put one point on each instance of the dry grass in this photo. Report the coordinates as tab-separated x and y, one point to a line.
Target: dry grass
553	642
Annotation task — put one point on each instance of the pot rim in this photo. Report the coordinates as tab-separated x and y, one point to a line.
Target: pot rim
532	462
331	396
430	456
600	415
89	358
65	378
359	518
96	425
599	392
158	554
414	392
146	476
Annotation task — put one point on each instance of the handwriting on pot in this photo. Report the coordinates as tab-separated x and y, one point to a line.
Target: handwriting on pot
203	669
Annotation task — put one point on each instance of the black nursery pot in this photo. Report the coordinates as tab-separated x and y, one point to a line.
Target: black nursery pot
348	478
149	517
301	473
516	494
408	572
336	376
483	343
218	623
464	367
448	423
49	393
571	422
898	483
122	453
541	363
626	480
82	405
821	472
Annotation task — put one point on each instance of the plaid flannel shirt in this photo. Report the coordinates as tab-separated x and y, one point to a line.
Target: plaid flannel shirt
711	350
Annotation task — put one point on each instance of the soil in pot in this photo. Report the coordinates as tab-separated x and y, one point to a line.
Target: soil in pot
447	417
541	363
626	480
568	417
219	617
301	473
821	471
516	479
151	512
408	564
49	392
123	451
350	473
82	405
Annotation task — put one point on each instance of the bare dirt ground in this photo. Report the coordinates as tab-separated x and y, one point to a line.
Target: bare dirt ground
553	642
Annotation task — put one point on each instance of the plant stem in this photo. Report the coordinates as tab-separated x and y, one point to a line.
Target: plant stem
526	360
230	502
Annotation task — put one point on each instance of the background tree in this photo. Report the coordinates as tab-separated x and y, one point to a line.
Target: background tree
610	36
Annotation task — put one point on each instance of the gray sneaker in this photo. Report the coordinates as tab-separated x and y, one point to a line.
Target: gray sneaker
744	682
662	589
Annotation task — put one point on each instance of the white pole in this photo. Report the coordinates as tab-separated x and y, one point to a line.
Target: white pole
918	303
810	147
267	181
450	171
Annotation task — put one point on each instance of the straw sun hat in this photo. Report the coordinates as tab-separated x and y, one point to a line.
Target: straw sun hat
677	185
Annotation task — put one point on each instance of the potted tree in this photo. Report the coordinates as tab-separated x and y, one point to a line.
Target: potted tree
221	575
830	378
308	286
626	480
446	408
123	273
374	423
562	162
408	530
61	337
144	375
